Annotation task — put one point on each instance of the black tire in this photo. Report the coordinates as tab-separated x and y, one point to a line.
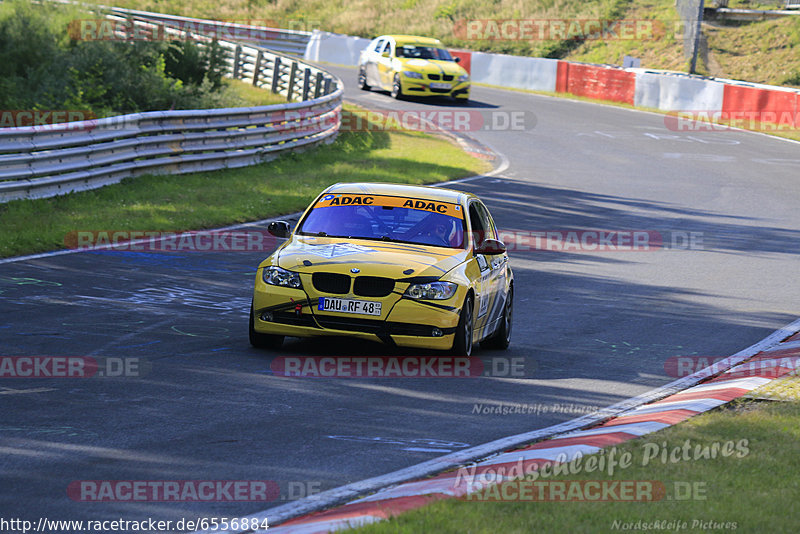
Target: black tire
502	337
262	341
362	80
397	88
462	343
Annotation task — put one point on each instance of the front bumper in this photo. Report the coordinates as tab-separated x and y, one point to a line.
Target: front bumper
404	322
421	87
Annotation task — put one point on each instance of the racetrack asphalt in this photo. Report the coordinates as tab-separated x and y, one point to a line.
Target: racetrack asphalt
591	328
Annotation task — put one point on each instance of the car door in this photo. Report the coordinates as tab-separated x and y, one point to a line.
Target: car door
385	71
373	53
491	297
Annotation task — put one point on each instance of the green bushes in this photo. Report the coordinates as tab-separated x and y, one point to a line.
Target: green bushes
41	67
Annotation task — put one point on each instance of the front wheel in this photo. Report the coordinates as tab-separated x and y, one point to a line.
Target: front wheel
362	80
502	337
397	88
462	344
262	341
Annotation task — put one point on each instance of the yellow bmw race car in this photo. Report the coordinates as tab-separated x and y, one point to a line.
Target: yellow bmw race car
407	265
407	65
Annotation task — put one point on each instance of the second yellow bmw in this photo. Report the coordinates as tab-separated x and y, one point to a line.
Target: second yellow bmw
406	65
407	265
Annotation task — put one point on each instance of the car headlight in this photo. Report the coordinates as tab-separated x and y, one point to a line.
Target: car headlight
412	74
276	276
463	78
432	290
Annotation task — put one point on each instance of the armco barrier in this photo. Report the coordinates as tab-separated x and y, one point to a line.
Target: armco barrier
43	161
292	42
595	81
334	48
784	104
677	93
533	73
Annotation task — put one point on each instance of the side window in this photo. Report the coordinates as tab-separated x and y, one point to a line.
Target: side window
481	224
491	229
387	48
379	45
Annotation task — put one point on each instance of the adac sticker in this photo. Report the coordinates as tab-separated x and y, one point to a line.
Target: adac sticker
445	208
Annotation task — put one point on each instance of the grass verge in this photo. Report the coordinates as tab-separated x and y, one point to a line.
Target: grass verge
753	489
213	199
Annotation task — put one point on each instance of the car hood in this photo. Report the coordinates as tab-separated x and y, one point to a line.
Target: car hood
432	66
307	254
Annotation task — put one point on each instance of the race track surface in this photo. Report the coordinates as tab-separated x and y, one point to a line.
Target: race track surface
591	328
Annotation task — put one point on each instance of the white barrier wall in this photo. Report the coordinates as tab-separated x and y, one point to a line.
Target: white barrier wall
534	73
677	93
334	48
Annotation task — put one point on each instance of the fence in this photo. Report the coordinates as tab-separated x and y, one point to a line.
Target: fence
291	42
43	161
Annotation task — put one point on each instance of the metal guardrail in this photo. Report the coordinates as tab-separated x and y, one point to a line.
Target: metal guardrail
43	161
787	4
292	42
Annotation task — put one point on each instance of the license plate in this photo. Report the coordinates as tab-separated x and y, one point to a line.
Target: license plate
361	307
440	85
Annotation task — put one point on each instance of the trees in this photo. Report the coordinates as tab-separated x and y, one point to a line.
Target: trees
43	67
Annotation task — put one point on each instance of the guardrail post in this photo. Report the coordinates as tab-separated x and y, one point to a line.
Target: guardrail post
236	55
292	77
276	74
257	68
318	85
306	83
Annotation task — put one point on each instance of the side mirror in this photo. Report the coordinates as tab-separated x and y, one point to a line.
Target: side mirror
457	59
385	54
491	247
279	229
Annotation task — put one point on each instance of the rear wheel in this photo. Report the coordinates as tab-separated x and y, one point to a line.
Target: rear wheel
502	337
462	344
397	88
262	341
362	79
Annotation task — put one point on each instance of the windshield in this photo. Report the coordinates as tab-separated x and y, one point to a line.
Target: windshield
423	52
386	218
